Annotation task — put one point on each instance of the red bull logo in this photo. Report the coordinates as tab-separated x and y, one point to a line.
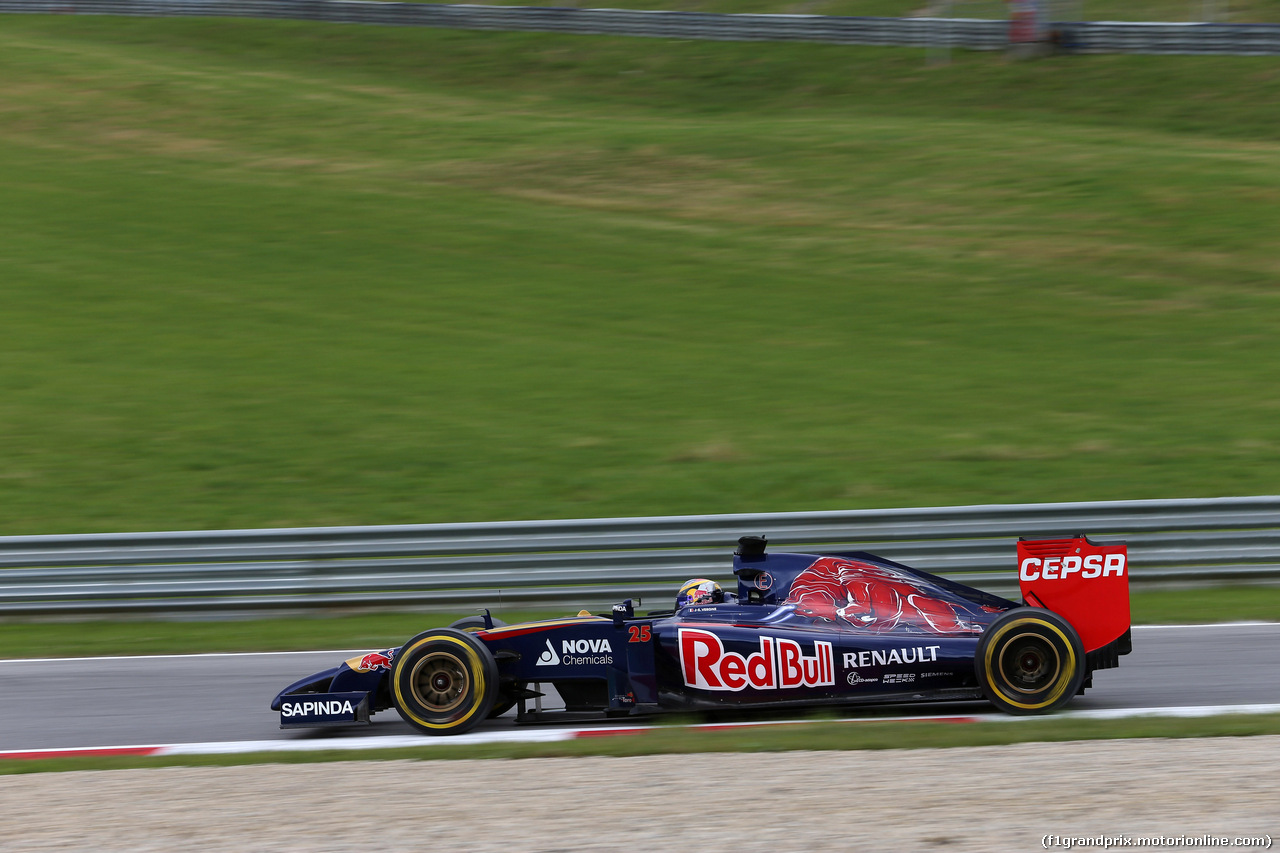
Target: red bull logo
779	663
373	662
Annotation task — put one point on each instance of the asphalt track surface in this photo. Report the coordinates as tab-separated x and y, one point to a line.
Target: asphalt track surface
100	702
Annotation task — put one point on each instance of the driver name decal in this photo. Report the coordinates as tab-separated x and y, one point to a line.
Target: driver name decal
778	664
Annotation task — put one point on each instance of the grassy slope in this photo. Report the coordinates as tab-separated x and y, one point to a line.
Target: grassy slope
268	274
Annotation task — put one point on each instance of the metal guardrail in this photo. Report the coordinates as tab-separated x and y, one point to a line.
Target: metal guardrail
972	33
596	561
1168	38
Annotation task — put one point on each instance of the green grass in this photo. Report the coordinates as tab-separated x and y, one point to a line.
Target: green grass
268	273
776	738
22	639
1217	604
281	633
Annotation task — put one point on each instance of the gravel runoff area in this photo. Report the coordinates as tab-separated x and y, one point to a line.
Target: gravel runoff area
1004	798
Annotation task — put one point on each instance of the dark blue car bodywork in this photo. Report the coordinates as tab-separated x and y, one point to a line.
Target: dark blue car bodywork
789	639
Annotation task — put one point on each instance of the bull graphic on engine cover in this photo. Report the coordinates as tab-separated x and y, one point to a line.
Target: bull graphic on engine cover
873	598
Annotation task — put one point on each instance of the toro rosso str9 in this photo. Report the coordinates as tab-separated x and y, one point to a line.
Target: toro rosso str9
801	630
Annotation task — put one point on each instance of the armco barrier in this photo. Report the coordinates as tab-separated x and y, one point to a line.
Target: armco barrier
595	561
972	33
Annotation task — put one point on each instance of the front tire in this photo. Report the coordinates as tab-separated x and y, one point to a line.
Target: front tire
444	681
1029	661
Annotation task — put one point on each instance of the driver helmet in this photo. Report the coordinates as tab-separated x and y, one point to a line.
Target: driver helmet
699	591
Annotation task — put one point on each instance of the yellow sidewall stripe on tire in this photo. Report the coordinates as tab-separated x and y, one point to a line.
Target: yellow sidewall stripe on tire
1067	670
478	692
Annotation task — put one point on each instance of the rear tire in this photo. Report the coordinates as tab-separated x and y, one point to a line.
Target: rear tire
444	681
1029	661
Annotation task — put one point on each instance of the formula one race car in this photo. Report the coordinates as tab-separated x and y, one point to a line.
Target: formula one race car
802	630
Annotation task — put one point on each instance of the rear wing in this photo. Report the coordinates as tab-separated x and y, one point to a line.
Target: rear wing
1087	583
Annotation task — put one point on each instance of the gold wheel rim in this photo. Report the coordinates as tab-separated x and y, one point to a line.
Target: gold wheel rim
440	682
1030	661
